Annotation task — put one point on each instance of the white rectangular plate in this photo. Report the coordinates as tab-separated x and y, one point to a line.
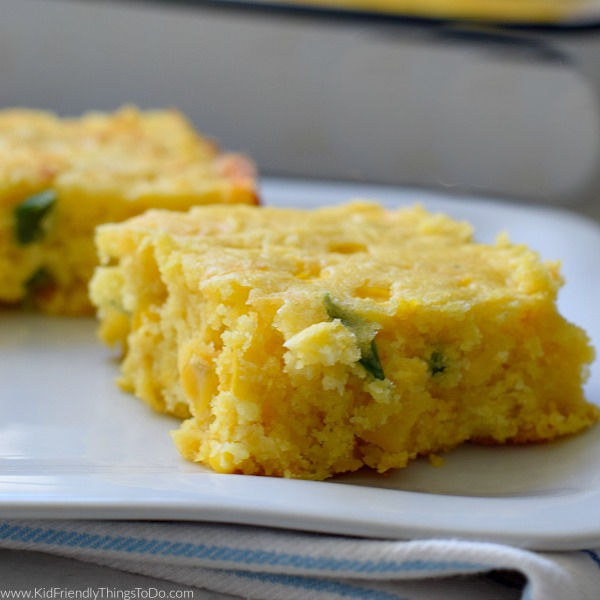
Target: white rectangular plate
73	445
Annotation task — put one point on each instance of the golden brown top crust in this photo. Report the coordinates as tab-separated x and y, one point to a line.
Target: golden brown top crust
130	152
381	259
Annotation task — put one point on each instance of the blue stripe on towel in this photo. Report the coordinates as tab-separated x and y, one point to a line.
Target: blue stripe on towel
154	547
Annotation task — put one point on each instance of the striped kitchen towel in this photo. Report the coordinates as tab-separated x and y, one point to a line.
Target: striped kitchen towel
266	564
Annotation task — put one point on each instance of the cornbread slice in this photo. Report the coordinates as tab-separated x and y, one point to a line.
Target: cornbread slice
308	343
59	178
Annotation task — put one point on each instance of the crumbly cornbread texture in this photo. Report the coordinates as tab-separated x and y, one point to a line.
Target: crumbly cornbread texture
59	178
308	343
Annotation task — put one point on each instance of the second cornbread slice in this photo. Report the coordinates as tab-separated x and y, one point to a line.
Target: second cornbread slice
309	343
59	178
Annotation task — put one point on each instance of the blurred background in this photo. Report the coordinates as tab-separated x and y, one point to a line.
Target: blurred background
464	106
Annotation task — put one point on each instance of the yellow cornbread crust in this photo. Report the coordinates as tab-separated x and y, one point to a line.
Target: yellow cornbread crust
509	11
309	343
59	178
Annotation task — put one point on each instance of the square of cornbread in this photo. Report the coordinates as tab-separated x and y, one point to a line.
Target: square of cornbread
59	178
309	343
